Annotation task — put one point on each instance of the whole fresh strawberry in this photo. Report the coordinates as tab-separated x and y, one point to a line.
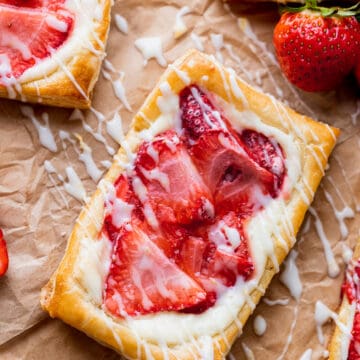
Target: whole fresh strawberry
4	259
317	47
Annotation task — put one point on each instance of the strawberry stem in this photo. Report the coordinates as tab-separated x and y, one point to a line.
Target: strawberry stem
324	11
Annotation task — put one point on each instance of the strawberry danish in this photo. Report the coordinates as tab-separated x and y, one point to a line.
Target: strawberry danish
201	206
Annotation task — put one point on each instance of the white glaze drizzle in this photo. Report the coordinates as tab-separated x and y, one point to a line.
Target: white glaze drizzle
151	47
282	302
197	41
248	352
346	253
332	266
180	28
291	332
46	137
74	185
121	24
307	355
341	215
290	276
86	157
50	169
259	325
322	315
217	41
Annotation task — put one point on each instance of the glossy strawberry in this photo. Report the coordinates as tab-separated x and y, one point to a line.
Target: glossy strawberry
18	50
197	113
4	259
175	189
267	153
317	47
354	351
143	280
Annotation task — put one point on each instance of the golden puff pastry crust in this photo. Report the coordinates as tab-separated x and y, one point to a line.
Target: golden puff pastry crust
67	294
340	341
67	77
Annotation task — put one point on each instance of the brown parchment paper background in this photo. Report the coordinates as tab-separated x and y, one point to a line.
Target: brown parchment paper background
37	221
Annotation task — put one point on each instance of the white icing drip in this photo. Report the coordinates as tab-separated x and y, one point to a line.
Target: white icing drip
180	28
56	24
50	169
181	74
322	315
106	163
141	192
341	215
119	209
153	153
151	47
74	186
206	348
168	104
306	355
69	74
236	89
197	41
291	332
86	157
282	302
259	325
97	134
218	42
114	128
333	267
120	93
290	276
347	253
156	174
248	352
46	137
121	24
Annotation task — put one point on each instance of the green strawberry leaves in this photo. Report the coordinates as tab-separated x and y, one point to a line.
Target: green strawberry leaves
324	11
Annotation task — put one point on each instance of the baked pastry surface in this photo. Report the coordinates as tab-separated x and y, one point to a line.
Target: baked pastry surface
67	76
74	292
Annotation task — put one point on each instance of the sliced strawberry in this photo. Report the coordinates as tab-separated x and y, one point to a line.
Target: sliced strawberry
354	351
4	258
28	35
197	113
175	189
48	4
192	255
143	280
267	153
230	173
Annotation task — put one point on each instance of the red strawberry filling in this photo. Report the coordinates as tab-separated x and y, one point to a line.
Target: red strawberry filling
351	289
30	31
180	239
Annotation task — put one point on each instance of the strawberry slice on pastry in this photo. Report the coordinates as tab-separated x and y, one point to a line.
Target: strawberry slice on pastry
4	258
29	35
